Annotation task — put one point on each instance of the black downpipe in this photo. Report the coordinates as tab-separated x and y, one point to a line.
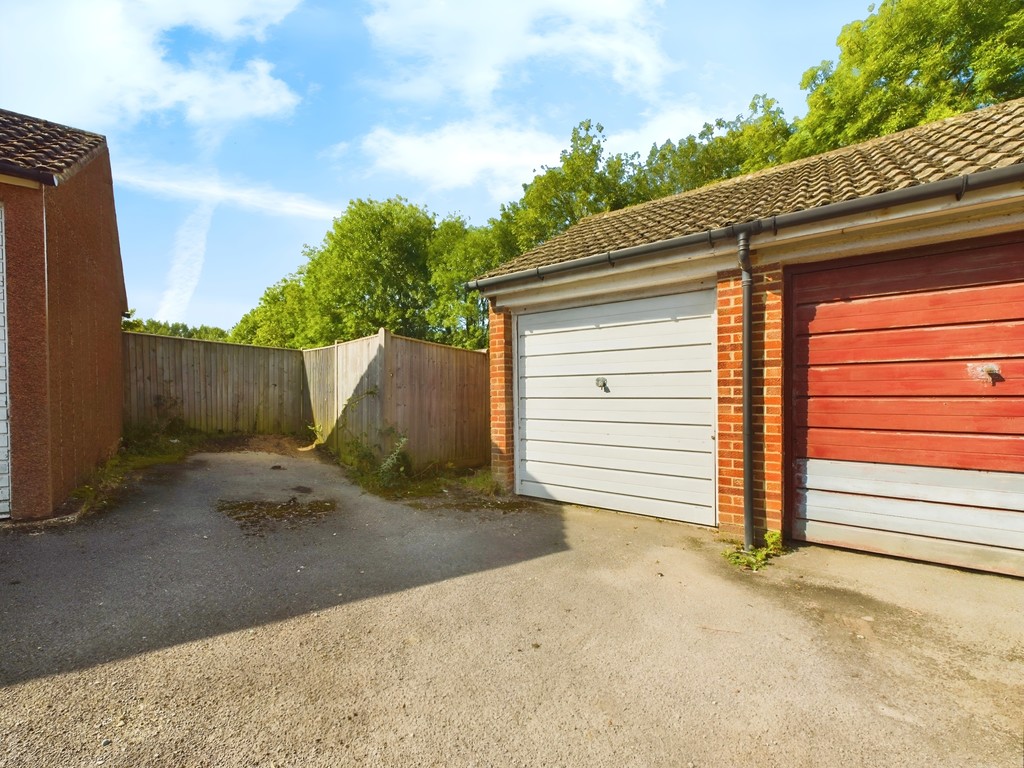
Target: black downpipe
747	282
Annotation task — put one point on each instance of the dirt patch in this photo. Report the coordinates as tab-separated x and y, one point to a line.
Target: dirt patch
257	518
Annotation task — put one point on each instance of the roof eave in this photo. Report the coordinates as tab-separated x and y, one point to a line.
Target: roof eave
48	178
958	186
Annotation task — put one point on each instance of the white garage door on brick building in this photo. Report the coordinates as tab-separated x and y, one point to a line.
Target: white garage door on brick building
617	405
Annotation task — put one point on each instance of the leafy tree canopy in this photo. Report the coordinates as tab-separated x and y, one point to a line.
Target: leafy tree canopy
587	181
162	328
384	264
457	254
910	62
371	272
279	320
722	149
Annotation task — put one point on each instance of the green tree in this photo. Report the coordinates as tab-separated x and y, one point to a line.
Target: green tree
210	333
910	62
370	272
586	181
722	149
181	330
279	320
458	253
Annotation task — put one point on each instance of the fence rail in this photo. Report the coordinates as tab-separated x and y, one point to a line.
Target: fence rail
368	393
213	386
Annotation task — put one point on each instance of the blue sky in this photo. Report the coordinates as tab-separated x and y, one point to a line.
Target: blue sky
239	128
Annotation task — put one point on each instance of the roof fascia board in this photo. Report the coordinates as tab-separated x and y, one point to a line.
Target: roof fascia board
613	285
676	269
30	174
900	235
16	181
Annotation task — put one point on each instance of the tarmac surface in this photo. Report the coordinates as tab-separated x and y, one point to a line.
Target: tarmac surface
257	609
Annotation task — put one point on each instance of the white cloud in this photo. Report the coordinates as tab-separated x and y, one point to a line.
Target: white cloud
500	154
205	186
186	263
103	64
225	18
463	154
659	126
468	46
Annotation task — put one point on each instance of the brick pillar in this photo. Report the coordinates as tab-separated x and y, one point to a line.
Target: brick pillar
768	357
767	401
730	407
502	408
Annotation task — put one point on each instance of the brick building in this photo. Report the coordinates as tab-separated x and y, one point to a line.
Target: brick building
875	399
61	303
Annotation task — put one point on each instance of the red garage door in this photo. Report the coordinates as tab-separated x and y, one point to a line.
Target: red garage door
907	406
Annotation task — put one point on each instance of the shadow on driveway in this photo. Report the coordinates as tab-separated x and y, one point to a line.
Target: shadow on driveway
167	567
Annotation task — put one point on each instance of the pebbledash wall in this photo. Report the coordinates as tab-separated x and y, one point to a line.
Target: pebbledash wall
64	300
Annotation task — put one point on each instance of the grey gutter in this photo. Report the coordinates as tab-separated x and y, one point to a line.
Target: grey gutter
32	174
958	186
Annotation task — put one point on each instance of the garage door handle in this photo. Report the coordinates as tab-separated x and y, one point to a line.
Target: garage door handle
602	383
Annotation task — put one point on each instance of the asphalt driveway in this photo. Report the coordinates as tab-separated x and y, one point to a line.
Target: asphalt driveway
254	608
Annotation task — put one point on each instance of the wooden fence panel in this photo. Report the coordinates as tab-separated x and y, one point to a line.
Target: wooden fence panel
214	386
375	390
360	376
321	372
369	392
438	399
345	383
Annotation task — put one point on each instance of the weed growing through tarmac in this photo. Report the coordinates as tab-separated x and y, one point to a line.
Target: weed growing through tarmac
757	558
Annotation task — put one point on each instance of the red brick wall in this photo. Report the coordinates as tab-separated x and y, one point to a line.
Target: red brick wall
28	364
65	295
502	410
767	400
86	299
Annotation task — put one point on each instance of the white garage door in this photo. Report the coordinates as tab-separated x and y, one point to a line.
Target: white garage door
617	406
